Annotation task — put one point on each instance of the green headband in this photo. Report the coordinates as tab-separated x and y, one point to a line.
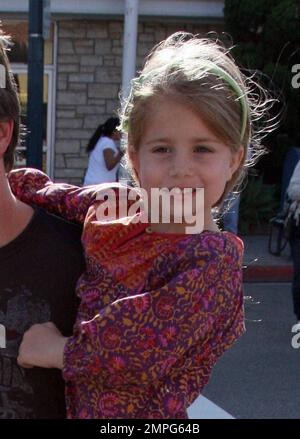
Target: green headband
218	71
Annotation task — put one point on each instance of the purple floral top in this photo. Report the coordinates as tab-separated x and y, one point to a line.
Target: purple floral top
157	310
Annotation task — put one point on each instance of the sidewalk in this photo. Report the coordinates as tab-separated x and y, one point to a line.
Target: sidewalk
261	266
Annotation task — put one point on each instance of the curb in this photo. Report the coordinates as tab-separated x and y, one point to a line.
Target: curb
268	273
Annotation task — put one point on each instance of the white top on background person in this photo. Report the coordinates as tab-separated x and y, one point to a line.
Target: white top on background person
97	171
104	153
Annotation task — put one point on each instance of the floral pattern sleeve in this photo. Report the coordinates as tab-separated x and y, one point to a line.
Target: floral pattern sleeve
35	188
138	339
189	375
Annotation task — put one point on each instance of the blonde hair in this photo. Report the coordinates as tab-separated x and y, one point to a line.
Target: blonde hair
201	73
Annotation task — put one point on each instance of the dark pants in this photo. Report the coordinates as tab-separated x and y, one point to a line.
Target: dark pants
295	247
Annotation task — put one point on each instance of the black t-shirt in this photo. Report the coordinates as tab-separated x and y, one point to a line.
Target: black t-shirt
38	275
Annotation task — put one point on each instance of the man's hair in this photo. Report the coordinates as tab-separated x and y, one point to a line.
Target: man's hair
9	101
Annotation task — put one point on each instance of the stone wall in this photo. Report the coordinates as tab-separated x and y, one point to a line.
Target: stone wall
89	76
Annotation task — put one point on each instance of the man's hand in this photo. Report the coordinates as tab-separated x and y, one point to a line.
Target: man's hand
43	346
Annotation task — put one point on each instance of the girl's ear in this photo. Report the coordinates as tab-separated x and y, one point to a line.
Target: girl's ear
6	130
134	160
236	160
130	151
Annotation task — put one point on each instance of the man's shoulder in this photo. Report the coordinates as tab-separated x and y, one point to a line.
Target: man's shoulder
60	240
58	228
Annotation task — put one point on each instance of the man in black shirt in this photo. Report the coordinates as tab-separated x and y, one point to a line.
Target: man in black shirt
40	261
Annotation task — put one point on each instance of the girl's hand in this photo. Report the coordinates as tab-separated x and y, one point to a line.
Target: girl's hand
43	346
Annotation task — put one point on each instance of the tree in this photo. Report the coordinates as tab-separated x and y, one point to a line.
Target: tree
266	36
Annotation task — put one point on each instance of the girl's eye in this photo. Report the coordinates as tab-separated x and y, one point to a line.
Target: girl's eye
162	149
201	148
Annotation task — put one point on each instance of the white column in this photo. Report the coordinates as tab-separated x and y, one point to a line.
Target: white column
130	42
2	337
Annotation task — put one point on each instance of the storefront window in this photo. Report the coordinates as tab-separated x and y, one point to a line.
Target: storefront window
18	56
18	30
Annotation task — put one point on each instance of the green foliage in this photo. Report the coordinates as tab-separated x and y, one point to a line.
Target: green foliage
259	203
266	35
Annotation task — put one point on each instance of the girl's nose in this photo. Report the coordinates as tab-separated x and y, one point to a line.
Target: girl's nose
181	168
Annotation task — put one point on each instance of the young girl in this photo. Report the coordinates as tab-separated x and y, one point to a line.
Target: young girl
158	306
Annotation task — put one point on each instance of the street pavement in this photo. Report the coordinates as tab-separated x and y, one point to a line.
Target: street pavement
259	377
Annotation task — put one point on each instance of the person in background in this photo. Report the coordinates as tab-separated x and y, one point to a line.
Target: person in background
231	216
231	207
293	192
104	153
